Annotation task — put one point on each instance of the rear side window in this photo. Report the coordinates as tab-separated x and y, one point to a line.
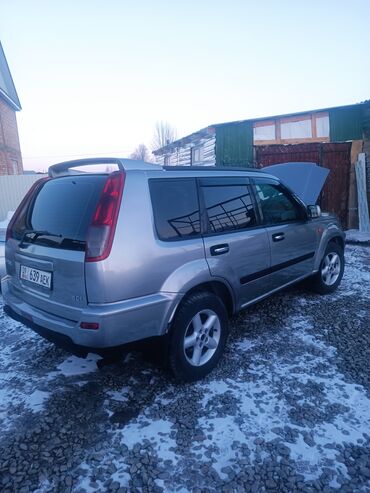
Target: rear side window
61	212
175	208
229	207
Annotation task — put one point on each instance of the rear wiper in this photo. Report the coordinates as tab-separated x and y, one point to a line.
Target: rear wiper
73	244
36	234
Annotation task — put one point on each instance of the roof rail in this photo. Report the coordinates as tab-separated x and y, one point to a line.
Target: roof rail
64	168
210	168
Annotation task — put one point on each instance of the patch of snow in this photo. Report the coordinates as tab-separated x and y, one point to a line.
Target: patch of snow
121	476
36	400
224	433
245	345
215	387
260	394
356	278
163	401
262	408
84	481
357	236
18	396
44	487
159	482
17	387
119	395
156	431
74	366
8	396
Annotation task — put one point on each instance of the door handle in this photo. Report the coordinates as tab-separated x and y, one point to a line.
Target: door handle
219	249
278	237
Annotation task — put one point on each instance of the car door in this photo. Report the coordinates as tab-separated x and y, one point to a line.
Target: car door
291	234
236	245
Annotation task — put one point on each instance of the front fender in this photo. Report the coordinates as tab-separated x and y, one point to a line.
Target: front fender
330	232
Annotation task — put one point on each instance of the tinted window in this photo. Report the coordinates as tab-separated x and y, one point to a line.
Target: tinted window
229	207
64	208
277	205
175	208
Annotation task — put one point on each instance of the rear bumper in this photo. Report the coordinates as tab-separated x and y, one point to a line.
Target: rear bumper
119	323
58	339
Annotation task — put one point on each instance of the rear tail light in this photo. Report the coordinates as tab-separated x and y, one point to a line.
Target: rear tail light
22	208
103	225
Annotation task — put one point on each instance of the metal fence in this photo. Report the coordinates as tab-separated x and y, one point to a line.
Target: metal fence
363	208
12	189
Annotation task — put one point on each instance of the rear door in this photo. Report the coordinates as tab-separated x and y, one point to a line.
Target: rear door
291	234
46	252
236	245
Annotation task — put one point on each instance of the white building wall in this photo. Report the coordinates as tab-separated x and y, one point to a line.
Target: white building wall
181	156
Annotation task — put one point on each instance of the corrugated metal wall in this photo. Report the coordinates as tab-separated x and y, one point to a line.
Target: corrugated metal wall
234	144
12	189
346	124
367	154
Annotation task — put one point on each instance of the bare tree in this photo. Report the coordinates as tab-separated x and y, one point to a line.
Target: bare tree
141	153
164	133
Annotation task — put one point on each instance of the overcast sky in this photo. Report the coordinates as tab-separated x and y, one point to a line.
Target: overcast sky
93	77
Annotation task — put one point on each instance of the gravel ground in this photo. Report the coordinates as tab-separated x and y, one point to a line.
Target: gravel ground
288	409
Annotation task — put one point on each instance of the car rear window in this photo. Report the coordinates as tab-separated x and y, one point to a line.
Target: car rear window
175	208
61	212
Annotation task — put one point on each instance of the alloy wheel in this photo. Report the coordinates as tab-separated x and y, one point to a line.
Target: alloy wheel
202	337
330	268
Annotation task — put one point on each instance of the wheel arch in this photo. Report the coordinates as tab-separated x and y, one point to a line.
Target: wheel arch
331	235
216	287
338	240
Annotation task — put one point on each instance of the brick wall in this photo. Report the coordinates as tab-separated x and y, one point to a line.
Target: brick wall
10	152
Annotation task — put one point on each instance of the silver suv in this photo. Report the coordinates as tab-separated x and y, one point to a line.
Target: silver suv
96	260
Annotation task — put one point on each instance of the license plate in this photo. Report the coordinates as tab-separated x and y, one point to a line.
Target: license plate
36	276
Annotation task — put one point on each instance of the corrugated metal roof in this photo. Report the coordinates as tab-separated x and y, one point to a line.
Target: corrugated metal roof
208	129
7	87
287	115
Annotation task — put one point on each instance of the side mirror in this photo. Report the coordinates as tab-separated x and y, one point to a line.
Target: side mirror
313	211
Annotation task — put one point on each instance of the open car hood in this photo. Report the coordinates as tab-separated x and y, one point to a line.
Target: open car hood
305	179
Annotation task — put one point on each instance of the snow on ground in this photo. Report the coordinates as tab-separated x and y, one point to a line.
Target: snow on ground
73	366
36	400
18	388
264	411
356	236
158	432
289	405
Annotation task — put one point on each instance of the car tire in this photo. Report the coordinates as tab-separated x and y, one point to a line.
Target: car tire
197	337
331	269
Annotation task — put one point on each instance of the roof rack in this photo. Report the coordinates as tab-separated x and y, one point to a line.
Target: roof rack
210	168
